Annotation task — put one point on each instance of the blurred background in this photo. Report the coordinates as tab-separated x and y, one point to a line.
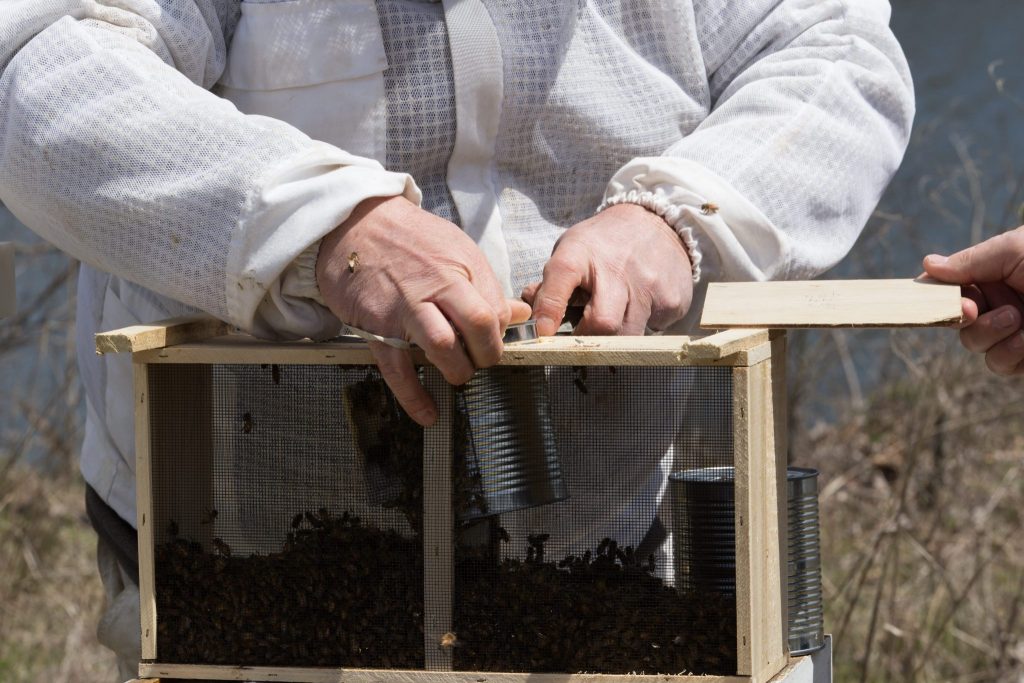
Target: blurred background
919	446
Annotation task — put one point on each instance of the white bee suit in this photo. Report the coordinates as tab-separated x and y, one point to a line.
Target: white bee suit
514	118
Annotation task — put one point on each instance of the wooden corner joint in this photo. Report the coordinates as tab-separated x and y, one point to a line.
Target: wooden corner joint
160	334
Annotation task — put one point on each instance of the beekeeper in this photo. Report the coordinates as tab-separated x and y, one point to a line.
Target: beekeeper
409	166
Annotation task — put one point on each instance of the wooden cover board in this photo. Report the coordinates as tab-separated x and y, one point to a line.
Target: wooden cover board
831	303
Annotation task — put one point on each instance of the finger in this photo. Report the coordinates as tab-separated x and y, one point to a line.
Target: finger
973	292
990	329
397	369
671	305
530	292
999	294
638	316
520	311
476	321
606	310
969	307
430	330
1000	258
1006	357
563	273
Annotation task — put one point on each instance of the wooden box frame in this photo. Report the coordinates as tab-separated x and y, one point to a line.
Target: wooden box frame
757	359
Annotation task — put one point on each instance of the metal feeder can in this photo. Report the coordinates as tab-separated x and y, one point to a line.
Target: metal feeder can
704	544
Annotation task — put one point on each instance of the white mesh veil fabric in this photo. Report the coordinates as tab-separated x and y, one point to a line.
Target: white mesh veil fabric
789	114
421	98
112	149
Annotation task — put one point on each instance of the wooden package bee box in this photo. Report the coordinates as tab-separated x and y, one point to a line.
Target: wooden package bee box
210	569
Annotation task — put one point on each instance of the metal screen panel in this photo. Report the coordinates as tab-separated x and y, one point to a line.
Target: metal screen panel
288	517
270	554
588	584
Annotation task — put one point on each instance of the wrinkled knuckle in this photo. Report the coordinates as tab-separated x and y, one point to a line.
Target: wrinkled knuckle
998	365
604	324
482	319
964	259
548	304
441	341
969	339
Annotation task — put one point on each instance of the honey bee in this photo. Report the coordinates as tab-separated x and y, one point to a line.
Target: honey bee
222	547
247	423
580	378
449	640
709	208
209	517
353	262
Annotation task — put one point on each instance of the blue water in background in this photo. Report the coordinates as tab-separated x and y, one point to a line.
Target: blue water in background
951	46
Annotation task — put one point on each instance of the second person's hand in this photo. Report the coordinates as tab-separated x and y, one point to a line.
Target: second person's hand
991	274
398	271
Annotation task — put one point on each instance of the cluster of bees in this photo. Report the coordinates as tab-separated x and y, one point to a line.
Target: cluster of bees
604	611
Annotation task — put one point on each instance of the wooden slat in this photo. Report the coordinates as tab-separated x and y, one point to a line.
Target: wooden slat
144	512
160	334
7	290
758	571
438	526
831	303
726	343
780	414
730	349
313	675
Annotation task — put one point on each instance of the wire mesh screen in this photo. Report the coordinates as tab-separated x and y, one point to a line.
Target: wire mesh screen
588	584
289	517
268	551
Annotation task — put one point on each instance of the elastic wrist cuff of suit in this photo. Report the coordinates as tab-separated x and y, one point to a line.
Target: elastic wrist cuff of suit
305	274
670	213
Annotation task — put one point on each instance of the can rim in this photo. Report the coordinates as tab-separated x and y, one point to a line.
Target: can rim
719	474
797	473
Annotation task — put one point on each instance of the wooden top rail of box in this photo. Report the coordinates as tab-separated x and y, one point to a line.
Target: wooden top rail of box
202	339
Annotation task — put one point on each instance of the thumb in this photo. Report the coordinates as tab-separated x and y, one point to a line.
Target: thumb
520	310
998	259
560	280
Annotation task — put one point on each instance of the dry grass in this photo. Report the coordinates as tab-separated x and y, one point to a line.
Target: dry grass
50	592
921	502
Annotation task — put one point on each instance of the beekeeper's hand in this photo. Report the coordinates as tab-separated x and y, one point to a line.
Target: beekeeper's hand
396	270
631	263
992	276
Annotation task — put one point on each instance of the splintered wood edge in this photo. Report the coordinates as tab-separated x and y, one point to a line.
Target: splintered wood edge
160	334
831	304
318	675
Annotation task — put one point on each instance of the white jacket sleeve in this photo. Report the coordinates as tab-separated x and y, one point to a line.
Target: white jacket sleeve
811	108
112	148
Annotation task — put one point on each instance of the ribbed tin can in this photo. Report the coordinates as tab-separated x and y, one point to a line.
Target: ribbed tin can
512	455
704	529
806	607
